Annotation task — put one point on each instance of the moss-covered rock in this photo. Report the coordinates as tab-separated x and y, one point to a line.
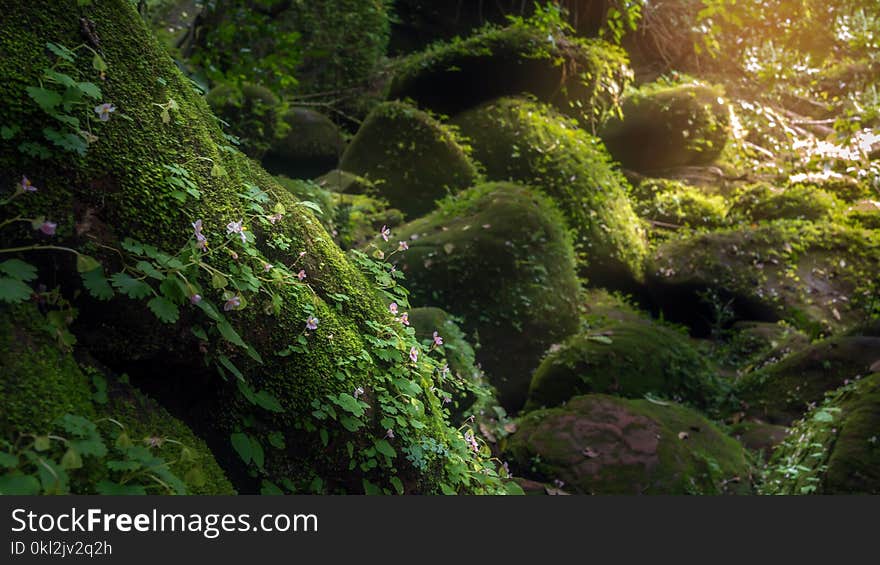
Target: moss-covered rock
413	159
816	276
668	204
782	392
598	444
759	202
120	189
345	182
43	383
759	437
751	345
865	213
310	147
835	448
528	142
628	359
498	257
665	126
252	112
582	78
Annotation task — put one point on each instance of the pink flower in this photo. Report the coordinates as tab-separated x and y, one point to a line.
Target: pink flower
26	185
195	298
301	274
48	227
472	441
275	217
414	354
393	308
446	400
437	340
201	240
404	318
385	233
237	227
312	323
104	111
389	433
232	303
267	267
154	441
403	246
358	391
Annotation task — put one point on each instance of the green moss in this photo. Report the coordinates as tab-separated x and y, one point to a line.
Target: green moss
816	276
311	147
411	158
252	112
752	345
835	448
345	182
782	392
498	257
628	359
757	202
528	142
120	189
668	204
759	437
668	126
865	214
598	444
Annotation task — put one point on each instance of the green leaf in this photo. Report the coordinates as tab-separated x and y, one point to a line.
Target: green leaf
8	132
349	403
224	360
229	333
8	460
13	290
60	78
242	446
218	281
130	286
67	141
325	437
267	400
397	484
71	459
383	447
48	100
61	51
42	443
164	309
269	488
97	62
208	308
257	454
512	487
97	284
370	488
90	89
312	206
148	269
86	263
110	488
18	269
16	483
276	440
600	339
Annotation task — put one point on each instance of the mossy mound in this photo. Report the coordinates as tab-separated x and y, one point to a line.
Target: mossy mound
528	142
669	204
413	159
665	126
344	182
598	444
252	112
782	392
751	345
628	359
498	257
120	190
843	187
469	391
759	437
43	384
816	276
835	448
582	78
865	214
310	147
762	202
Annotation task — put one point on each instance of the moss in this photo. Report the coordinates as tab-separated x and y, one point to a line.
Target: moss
311	147
582	78
782	392
669	204
835	448
628	359
843	187
120	189
40	382
752	345
252	112
759	437
498	257
865	214
345	182
668	126
758	202
411	158
598	444
815	276
528	142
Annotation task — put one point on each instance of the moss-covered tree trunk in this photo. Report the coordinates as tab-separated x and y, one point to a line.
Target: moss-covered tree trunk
313	372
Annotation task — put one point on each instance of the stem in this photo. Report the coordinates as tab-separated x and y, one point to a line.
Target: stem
38	247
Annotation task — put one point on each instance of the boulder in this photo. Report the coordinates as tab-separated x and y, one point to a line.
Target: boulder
665	126
411	158
310	147
252	112
598	444
498	257
529	142
668	204
762	202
